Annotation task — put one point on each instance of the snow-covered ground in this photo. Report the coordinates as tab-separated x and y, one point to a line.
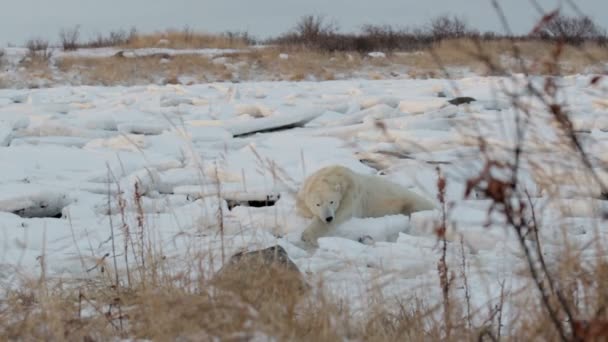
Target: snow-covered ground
15	54
68	153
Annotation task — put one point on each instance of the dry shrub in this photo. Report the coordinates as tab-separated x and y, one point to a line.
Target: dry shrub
38	54
317	34
69	38
113	39
573	30
446	27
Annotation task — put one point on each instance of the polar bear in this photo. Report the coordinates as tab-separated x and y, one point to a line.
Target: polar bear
334	194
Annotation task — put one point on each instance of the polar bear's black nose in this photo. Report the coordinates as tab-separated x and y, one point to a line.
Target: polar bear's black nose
329	219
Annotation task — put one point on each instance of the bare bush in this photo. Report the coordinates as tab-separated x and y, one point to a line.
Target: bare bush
310	28
113	39
236	37
446	27
573	30
313	32
38	50
69	38
384	36
387	38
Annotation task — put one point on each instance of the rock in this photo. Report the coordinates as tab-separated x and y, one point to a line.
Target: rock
6	132
163	42
160	55
366	240
263	277
461	100
377	54
268	256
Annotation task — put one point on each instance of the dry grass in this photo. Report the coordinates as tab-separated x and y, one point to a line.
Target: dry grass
256	64
266	303
187	39
301	64
466	53
172	313
137	70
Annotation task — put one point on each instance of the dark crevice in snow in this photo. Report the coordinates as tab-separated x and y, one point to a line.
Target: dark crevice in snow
269	201
40	212
438	162
457	101
40	204
372	163
269	130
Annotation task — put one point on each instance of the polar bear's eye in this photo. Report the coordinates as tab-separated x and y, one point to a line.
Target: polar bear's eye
332	202
318	204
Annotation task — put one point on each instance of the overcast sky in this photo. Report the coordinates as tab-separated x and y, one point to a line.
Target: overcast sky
24	19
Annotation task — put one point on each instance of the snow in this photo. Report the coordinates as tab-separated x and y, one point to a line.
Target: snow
377	54
16	53
188	149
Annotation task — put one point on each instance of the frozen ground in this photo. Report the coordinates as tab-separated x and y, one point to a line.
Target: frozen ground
65	152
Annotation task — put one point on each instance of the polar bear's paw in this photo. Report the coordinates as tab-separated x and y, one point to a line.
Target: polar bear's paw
310	237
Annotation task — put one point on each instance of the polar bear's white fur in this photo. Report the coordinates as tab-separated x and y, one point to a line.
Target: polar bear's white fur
334	194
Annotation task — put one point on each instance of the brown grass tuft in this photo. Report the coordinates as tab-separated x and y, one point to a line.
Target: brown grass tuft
136	70
188	39
475	55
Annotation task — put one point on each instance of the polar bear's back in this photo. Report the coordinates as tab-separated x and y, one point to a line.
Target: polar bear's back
380	196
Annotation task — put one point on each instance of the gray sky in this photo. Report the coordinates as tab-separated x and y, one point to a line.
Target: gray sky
24	19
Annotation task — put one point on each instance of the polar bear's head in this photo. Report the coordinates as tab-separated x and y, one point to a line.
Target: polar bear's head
325	201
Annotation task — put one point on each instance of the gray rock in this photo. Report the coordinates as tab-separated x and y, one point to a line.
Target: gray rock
269	257
366	240
262	278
